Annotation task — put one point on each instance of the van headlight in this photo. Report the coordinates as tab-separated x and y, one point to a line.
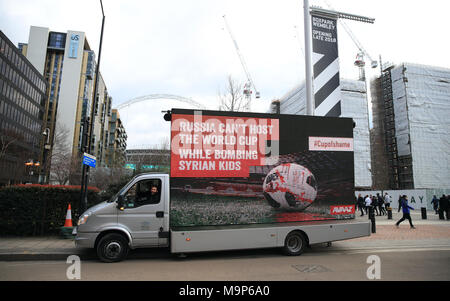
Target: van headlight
82	220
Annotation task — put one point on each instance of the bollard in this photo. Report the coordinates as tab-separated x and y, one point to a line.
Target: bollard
389	213
372	219
424	213
370	212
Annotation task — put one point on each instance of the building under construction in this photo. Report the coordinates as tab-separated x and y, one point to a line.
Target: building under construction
411	128
353	105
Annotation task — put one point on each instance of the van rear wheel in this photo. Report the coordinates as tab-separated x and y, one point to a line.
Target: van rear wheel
294	244
112	247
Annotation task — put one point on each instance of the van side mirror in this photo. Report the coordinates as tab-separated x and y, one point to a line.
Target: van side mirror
121	203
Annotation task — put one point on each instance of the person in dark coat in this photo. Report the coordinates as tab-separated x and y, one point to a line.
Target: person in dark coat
361	204
406	213
380	203
444	206
435	203
374	205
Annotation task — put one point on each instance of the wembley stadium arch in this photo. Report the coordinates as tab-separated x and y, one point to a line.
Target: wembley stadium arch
144	122
186	100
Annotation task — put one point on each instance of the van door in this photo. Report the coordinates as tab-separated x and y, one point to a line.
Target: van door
143	213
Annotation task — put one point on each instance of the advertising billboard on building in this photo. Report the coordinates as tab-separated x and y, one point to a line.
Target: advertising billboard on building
327	88
230	168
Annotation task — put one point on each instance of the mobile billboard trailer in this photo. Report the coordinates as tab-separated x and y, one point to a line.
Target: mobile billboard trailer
237	181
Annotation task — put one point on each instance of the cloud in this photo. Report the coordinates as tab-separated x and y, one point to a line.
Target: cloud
181	47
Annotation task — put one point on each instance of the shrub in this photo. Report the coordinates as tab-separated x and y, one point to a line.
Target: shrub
40	209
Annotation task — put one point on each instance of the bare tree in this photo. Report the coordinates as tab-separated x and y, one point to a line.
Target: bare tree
233	99
60	161
7	138
101	177
164	144
12	153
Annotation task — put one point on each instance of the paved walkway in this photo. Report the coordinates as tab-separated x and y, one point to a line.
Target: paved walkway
429	232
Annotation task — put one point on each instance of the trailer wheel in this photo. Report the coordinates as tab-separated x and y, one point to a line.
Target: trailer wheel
294	244
112	247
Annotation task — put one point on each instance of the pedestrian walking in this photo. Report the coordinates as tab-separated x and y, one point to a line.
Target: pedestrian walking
447	211
448	206
406	212
375	204
361	204
380	203
435	203
367	203
387	200
444	206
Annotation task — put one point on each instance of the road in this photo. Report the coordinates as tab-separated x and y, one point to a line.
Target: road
410	262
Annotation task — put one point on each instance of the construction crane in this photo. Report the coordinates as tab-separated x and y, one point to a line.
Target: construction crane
360	61
249	84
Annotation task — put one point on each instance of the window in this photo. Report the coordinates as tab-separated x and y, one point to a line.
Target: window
57	40
146	192
2	45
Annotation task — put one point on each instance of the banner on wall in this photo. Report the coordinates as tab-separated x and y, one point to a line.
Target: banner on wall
416	197
327	89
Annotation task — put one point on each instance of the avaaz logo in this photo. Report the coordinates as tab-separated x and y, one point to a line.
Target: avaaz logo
342	209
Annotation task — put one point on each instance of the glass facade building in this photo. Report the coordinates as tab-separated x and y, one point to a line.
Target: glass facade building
22	101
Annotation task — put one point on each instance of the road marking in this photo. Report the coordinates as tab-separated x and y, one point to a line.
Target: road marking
385	250
311	268
35	263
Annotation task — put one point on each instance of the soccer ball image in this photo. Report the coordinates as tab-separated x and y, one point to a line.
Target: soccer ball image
290	186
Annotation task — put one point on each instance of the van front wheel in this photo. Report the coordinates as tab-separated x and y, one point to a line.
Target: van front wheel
112	247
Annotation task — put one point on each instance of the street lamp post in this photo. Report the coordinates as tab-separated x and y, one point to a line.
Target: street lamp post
308	60
45	152
29	165
85	172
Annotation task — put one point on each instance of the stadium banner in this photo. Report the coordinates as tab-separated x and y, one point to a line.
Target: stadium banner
234	168
327	88
417	198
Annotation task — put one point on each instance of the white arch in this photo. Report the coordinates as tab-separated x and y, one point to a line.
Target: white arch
161	96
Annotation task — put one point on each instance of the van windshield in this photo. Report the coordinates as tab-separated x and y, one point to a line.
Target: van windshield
112	199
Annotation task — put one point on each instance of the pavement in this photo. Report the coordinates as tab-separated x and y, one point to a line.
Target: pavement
430	233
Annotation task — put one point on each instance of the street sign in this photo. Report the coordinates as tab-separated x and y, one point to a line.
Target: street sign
130	166
89	160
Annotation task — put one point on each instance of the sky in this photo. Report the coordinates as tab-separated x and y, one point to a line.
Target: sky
183	48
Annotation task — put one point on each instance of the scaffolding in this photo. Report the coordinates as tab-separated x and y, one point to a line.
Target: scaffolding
410	140
389	129
400	172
